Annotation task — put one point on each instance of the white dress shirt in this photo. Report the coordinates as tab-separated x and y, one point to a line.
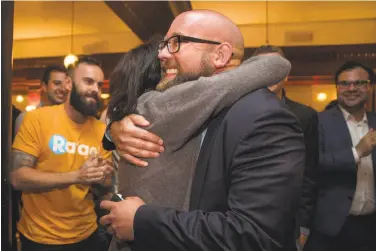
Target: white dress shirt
364	198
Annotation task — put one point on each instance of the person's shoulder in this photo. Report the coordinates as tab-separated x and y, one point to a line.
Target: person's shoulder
46	112
327	115
254	109
21	115
257	102
301	107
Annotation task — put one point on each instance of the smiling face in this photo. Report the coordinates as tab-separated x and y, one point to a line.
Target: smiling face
195	59
56	88
87	88
192	61
351	96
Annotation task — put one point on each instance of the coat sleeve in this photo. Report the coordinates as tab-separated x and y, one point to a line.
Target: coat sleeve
179	112
264	187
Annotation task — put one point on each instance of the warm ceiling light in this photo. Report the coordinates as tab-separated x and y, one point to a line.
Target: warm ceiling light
19	99
30	108
70	59
322	96
105	95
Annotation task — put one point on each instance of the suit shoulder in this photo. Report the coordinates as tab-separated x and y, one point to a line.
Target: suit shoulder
256	103
260	105
302	108
326	114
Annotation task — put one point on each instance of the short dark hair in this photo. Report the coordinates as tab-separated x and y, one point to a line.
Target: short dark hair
89	61
83	60
47	72
264	49
352	65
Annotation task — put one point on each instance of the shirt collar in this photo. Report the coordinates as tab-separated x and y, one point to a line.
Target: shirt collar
350	117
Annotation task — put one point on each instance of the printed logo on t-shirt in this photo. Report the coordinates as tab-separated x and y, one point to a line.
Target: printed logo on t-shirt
59	145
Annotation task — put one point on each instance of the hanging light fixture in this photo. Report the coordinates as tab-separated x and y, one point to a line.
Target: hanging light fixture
70	59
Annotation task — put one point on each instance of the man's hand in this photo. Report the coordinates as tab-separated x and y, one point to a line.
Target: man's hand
108	168
93	171
132	142
366	144
121	216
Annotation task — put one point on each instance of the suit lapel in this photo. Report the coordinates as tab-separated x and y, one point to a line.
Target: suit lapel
203	161
341	126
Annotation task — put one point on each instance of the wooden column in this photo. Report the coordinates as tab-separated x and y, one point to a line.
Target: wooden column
7	11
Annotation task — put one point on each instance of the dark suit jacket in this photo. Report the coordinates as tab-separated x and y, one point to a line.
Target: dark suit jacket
246	187
308	121
338	171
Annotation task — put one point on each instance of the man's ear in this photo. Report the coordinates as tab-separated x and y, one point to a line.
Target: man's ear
68	84
223	55
44	87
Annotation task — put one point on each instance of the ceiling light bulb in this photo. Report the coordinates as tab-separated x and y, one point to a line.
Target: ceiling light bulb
19	99
105	95
322	96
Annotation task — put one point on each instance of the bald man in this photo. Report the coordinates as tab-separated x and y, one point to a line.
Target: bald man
246	185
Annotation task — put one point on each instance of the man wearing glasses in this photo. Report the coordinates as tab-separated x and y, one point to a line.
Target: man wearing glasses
247	181
345	216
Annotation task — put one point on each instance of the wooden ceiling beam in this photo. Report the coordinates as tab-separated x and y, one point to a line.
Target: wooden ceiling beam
147	18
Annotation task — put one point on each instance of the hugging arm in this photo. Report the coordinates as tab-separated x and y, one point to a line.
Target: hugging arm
179	112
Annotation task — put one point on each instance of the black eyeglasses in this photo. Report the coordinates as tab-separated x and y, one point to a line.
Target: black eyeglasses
357	83
173	43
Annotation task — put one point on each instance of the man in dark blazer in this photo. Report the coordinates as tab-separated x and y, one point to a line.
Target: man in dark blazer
345	215
307	117
246	187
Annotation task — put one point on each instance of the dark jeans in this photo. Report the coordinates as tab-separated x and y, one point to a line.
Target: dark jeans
357	234
92	243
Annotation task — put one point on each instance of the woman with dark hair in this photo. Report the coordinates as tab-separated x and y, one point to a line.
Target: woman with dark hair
137	72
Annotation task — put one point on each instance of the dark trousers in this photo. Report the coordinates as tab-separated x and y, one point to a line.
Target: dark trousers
92	243
357	234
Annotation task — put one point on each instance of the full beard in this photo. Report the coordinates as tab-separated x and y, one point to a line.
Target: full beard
206	70
78	102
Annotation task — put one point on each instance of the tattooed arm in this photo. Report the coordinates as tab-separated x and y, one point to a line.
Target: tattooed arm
26	177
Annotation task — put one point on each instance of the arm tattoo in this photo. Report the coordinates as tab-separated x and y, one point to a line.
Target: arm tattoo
22	159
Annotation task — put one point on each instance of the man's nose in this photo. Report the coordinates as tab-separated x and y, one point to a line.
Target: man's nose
164	54
352	87
95	88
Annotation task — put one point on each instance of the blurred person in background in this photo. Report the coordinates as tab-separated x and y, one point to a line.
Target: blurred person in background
307	117
55	86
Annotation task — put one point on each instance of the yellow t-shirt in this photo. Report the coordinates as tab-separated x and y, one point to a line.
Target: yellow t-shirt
60	216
